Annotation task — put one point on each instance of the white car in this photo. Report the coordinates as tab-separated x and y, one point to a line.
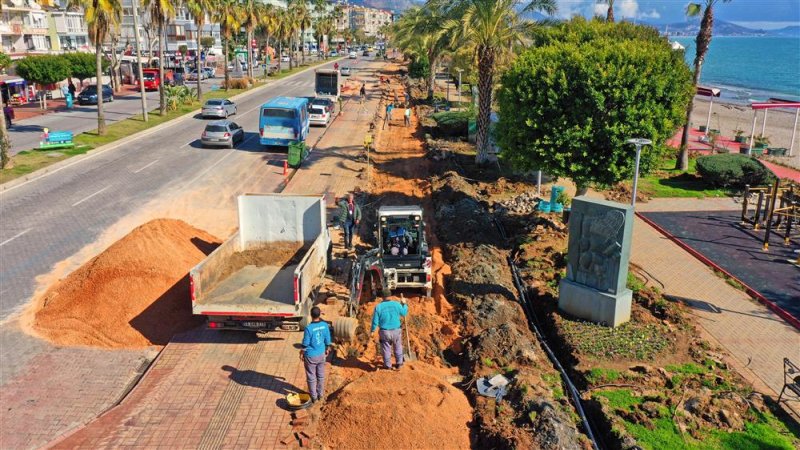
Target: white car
353	55
284	58
345	71
218	107
192	76
319	115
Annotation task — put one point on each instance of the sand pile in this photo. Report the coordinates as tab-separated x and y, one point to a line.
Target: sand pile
274	254
134	294
414	408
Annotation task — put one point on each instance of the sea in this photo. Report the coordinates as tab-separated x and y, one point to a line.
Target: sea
748	69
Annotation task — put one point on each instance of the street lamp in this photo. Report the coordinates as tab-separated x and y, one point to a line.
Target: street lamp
638	142
459	86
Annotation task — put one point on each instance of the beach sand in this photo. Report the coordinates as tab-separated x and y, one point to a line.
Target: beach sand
726	117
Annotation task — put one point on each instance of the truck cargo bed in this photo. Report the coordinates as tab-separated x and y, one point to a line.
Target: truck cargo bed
264	289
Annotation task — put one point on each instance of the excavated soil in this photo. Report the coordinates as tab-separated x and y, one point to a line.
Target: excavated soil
134	294
275	254
413	408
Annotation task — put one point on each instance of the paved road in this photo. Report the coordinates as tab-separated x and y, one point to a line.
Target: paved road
49	219
26	134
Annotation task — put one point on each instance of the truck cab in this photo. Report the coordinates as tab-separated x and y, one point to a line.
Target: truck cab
403	248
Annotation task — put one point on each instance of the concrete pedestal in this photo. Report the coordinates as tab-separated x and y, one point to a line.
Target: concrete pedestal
593	305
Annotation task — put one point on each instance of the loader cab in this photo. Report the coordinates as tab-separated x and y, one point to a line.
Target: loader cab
401	234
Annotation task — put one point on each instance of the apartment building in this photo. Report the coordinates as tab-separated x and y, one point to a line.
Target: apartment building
369	20
24	28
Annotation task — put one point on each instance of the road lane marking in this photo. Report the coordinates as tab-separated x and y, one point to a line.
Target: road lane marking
14	237
145	167
232	151
90	196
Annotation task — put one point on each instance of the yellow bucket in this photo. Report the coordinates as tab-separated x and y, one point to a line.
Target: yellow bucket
297	400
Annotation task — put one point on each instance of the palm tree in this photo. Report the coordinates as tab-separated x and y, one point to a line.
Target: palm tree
425	24
491	27
198	10
302	17
268	21
228	16
703	40
610	12
250	11
102	16
290	18
283	30
5	142
161	12
322	28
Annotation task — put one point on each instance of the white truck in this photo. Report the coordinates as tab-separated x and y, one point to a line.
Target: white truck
266	275
326	83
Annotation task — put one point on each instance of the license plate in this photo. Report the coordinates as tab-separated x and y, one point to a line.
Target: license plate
255	324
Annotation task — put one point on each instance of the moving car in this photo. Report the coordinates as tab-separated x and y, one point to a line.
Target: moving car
210	72
218	107
366	53
319	115
89	95
353	55
222	133
345	71
327	103
192	75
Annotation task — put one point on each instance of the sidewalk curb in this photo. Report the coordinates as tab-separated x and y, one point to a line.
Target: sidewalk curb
782	313
53	168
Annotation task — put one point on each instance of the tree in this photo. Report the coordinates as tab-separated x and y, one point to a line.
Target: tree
228	16
198	9
568	107
268	21
83	65
492	28
322	30
703	40
102	16
302	18
610	11
206	42
5	62
250	11
43	70
161	12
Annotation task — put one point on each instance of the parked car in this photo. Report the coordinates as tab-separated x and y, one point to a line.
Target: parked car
345	71
365	53
218	107
319	115
353	55
285	58
334	53
222	133
210	72
325	102
192	75
232	66
89	95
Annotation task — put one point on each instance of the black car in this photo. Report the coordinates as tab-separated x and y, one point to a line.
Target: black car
322	101
89	95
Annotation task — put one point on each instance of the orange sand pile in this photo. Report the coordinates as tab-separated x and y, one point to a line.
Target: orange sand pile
413	408
134	294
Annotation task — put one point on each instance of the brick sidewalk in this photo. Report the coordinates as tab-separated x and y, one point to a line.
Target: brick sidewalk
757	338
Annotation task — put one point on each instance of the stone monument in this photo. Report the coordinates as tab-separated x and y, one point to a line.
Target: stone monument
595	288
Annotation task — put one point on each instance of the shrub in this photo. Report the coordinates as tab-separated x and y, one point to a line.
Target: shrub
453	123
237	83
733	170
419	68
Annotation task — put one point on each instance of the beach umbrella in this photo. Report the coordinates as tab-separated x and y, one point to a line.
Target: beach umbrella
770	104
710	93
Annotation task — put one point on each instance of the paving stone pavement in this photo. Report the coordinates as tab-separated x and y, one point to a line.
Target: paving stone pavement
756	337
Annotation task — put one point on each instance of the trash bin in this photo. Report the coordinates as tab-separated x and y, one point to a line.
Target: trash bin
297	153
68	98
554	193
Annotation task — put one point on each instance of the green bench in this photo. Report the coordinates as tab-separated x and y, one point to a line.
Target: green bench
57	139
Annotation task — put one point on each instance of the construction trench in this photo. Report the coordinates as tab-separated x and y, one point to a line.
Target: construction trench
495	268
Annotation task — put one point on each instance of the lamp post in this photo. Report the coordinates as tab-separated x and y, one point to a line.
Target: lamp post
459	86
638	142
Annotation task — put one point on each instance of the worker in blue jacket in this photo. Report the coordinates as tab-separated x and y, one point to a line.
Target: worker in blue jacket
316	342
387	317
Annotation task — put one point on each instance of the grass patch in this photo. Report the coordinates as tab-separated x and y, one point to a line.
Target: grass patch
29	161
666	181
762	431
598	376
634	283
553	380
634	341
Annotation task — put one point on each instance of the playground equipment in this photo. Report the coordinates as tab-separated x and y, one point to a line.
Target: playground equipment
777	209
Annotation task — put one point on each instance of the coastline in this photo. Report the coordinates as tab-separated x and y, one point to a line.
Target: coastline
727	116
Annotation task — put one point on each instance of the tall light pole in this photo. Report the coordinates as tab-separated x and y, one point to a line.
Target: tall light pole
638	142
459	86
135	13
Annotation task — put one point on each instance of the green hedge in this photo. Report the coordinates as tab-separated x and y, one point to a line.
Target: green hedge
453	123
419	68
733	170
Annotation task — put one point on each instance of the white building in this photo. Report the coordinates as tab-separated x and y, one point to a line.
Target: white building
24	28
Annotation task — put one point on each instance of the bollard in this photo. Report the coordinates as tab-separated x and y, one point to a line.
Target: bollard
285	168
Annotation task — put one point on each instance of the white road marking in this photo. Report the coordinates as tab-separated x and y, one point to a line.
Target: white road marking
145	167
212	166
14	237
187	144
90	196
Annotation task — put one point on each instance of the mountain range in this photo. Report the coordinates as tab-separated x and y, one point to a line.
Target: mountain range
722	28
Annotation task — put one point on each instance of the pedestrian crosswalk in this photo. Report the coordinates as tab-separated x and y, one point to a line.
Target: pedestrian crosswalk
299	83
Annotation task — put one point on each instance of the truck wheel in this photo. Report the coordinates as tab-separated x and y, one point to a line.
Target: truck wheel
344	328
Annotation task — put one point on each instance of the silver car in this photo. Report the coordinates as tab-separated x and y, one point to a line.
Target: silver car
222	133
218	107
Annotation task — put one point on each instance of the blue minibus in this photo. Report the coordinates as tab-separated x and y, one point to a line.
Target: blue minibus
283	120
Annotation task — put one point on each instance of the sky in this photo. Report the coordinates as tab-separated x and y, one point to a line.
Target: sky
766	14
